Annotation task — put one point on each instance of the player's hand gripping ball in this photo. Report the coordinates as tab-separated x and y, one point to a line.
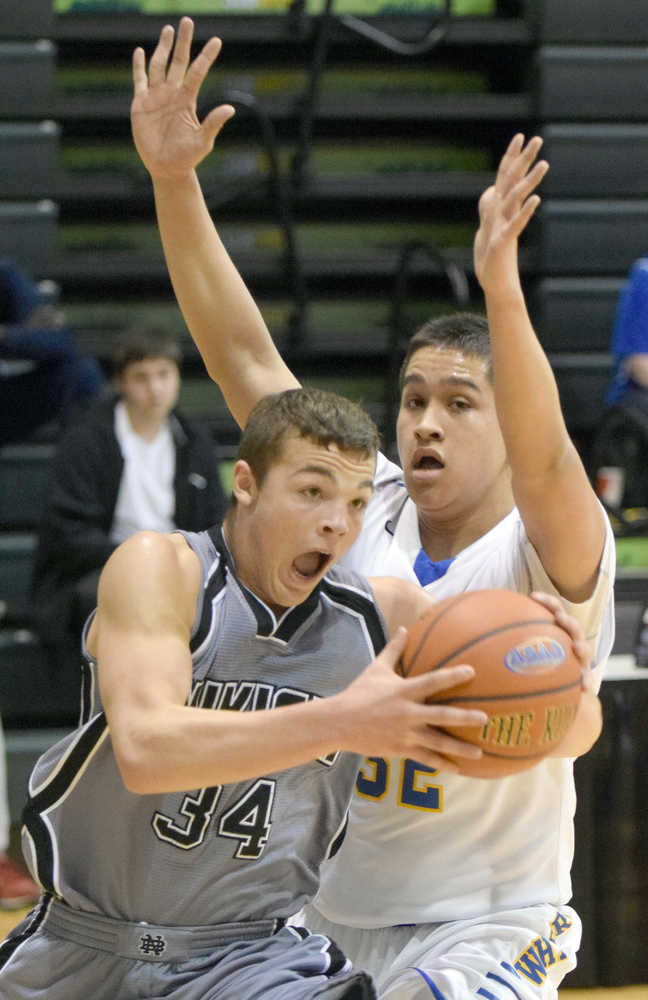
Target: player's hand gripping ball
527	677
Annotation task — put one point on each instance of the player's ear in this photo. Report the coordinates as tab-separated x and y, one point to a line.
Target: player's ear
244	486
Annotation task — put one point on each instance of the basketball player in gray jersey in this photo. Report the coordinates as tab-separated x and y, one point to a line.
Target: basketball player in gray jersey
234	676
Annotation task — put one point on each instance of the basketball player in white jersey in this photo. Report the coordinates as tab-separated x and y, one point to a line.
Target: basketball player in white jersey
444	886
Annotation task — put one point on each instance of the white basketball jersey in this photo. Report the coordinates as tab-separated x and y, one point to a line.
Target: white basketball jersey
423	846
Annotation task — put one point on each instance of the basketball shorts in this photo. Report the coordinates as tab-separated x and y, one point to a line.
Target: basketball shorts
520	954
57	953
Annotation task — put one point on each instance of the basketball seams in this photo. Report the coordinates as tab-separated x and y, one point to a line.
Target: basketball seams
544	622
451	603
513	696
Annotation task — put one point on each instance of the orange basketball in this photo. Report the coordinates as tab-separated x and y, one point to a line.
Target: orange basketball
527	680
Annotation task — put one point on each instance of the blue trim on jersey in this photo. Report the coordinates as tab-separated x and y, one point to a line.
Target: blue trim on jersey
433	987
484	993
428	571
498	979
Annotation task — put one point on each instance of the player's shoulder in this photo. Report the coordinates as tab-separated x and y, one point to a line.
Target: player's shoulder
388	476
153	553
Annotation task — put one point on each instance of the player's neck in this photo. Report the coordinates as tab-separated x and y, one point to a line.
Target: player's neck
443	537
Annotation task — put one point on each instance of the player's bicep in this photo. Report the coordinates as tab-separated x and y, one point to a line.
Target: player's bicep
566	525
141	634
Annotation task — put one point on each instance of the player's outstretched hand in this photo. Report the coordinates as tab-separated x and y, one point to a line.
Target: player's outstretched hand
385	715
168	136
504	211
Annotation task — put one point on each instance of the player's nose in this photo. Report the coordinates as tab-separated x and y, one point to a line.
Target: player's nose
429	426
336	519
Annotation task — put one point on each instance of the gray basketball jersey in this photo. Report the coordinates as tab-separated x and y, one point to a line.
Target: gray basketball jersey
244	851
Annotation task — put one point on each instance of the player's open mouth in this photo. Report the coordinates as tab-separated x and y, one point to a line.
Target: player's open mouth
311	564
428	462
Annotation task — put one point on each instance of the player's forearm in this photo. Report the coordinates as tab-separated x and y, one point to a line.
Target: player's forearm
526	395
219	311
177	748
585	729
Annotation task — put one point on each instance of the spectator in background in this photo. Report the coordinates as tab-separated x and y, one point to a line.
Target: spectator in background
136	462
630	340
620	446
42	375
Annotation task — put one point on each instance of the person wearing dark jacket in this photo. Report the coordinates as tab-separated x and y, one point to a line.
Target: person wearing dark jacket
135	462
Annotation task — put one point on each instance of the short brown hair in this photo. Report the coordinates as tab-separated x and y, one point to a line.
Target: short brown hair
322	416
467	332
142	342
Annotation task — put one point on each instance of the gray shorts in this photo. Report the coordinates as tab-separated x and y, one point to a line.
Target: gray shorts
58	953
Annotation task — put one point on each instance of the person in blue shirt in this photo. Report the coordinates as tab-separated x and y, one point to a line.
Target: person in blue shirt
630	337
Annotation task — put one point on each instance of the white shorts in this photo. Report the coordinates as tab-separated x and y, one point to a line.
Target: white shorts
521	954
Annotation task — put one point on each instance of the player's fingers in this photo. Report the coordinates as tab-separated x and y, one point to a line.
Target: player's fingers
140	81
215	120
566	621
517	164
160	57
520	191
181	52
529	154
444	716
583	652
509	158
201	65
450	746
393	651
518	223
430	683
548	601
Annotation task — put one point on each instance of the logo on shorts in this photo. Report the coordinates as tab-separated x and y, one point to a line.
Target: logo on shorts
150	945
539	655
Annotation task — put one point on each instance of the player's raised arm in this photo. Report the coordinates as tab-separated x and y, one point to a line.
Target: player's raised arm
562	516
221	315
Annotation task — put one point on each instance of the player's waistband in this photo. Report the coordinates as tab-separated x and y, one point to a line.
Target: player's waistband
150	942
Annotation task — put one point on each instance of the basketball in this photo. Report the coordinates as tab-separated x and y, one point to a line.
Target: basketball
527	678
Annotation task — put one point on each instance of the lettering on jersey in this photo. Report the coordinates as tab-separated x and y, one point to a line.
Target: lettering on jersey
417	790
559	925
373	778
149	945
251	696
535	962
558	719
508	730
249	820
539	655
